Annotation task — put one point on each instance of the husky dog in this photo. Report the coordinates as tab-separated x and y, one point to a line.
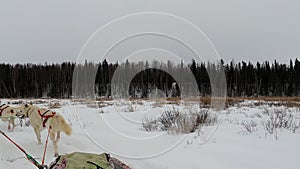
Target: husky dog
8	113
41	118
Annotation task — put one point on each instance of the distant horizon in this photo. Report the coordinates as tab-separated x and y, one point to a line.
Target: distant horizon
225	62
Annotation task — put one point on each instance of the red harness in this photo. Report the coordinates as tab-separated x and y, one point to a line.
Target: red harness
1	109
45	117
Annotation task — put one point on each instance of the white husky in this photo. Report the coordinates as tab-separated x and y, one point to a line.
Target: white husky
41	118
8	113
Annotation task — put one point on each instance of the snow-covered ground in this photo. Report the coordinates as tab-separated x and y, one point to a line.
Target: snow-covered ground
239	141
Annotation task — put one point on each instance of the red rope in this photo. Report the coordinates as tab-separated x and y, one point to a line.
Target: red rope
31	159
45	149
14	142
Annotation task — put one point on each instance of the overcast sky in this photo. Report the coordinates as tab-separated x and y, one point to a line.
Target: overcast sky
55	30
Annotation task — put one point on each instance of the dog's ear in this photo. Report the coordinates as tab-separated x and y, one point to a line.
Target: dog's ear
26	105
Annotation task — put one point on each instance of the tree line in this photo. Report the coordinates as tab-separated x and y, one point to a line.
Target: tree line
243	78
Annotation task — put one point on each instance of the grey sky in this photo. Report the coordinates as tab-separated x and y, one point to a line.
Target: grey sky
55	30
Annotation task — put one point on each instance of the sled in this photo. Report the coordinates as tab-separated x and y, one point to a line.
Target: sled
80	160
76	160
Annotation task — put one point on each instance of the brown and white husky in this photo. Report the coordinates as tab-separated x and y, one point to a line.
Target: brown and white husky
41	118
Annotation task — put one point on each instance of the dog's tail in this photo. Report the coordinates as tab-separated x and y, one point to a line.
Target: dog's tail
66	128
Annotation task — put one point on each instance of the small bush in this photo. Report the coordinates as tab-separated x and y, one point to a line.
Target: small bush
280	119
249	127
168	119
173	120
130	107
150	125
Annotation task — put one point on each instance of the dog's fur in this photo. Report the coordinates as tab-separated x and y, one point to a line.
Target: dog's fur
9	114
57	123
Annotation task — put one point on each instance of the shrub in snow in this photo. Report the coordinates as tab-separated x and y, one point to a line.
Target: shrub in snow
173	120
150	125
249	127
280	119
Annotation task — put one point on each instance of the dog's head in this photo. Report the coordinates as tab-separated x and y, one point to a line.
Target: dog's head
22	111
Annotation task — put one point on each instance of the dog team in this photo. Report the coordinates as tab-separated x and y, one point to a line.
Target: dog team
40	119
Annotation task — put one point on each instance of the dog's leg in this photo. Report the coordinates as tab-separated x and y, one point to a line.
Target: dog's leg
13	123
38	135
8	127
52	137
57	136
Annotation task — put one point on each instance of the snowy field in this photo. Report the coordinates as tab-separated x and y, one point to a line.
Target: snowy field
248	135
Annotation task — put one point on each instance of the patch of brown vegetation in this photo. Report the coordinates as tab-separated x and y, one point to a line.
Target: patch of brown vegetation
230	101
263	98
276	101
104	99
174	99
